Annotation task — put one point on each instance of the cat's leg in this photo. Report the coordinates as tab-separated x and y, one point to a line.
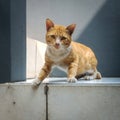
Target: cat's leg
92	75
42	75
72	80
72	71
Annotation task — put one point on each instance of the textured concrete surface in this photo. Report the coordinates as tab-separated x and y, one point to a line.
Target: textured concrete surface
84	100
21	102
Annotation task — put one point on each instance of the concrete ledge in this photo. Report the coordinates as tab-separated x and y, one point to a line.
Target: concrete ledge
20	102
81	82
84	100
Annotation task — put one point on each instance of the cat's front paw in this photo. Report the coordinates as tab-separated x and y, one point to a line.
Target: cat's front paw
36	82
72	80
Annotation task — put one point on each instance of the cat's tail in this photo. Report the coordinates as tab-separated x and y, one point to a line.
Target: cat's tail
98	75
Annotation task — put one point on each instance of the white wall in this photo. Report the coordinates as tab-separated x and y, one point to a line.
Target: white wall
35	57
61	12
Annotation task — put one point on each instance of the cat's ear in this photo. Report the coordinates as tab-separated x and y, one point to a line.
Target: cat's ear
49	24
71	28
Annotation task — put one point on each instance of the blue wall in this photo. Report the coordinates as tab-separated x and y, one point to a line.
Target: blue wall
12	40
4	40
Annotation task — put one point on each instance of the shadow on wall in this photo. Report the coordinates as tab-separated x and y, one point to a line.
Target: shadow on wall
102	35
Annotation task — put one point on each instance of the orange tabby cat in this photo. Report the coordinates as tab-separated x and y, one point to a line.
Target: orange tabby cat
75	58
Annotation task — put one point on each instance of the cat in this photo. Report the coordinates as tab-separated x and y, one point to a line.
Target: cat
75	58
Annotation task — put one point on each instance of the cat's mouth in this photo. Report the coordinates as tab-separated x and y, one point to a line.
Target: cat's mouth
57	46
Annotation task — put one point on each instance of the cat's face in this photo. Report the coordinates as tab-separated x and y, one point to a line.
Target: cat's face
57	36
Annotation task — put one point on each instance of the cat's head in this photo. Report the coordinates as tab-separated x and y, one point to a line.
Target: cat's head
57	36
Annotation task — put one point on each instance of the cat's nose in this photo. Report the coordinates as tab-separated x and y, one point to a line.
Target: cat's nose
57	44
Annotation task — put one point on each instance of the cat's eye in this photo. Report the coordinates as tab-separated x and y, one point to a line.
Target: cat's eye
53	36
63	38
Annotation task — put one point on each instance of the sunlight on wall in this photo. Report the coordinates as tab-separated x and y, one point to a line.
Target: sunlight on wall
35	57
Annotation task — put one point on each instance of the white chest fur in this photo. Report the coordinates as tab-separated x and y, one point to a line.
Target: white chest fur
57	55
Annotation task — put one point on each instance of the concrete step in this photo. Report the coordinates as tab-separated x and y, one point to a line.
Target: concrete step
84	100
